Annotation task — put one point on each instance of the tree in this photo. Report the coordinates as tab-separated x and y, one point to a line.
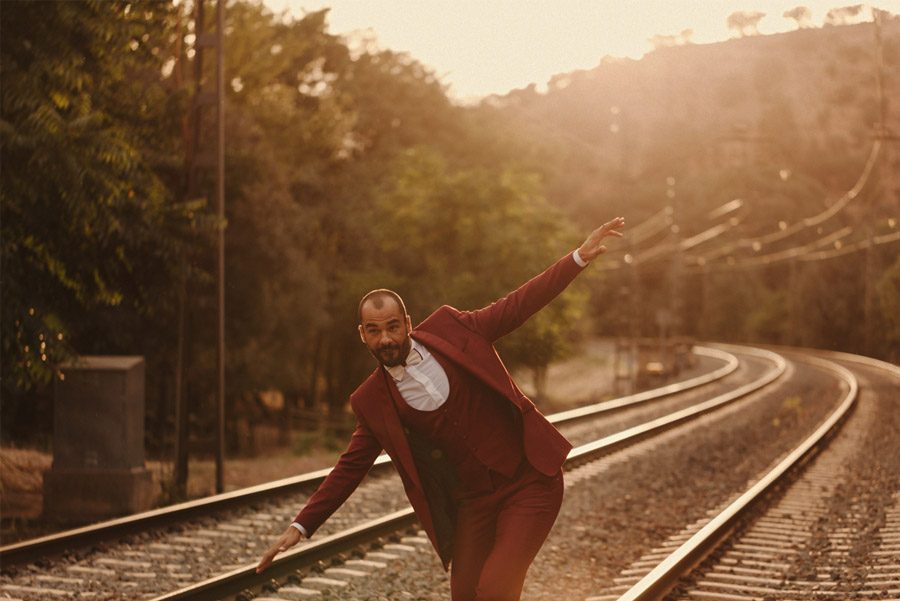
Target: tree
745	23
91	235
801	14
844	15
459	238
663	41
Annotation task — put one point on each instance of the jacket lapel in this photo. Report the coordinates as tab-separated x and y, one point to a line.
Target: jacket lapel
480	367
385	389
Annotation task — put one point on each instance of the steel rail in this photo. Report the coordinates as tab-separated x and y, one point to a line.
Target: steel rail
231	583
243	578
666	575
31	549
627	437
849	357
731	364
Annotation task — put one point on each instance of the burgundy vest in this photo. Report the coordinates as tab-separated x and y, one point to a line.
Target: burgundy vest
476	429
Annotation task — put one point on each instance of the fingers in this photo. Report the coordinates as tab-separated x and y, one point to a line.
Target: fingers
269	556
266	560
609	229
284	542
616	223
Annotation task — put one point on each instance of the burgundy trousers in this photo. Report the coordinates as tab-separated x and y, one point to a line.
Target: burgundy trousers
499	534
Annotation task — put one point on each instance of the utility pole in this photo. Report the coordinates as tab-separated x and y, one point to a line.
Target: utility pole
702	329
676	277
793	304
195	160
635	325
220	201
886	185
192	130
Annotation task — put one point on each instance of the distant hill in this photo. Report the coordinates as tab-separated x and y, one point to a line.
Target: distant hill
803	101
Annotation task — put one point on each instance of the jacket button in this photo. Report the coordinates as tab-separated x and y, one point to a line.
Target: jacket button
436	454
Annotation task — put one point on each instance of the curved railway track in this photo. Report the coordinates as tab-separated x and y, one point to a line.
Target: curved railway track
811	527
607	433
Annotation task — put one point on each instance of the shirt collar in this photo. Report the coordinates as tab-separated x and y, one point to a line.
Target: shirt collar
417	354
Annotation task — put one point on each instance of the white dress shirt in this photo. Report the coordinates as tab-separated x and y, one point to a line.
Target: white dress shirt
422	382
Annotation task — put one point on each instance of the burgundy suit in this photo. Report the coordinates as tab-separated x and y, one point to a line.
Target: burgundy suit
466	338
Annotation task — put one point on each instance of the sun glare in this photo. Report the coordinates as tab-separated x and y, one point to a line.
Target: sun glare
481	48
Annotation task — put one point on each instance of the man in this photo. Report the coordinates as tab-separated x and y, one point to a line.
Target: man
480	465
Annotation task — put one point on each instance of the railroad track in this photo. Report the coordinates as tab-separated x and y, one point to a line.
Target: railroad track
144	560
823	523
331	562
303	571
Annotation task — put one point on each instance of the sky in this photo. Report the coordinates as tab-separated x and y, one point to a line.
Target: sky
482	47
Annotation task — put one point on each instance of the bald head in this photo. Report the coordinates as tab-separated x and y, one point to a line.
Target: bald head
381	299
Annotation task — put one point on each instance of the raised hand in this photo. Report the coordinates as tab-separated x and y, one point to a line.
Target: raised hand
287	540
593	247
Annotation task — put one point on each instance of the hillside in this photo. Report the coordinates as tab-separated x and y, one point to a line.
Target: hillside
803	101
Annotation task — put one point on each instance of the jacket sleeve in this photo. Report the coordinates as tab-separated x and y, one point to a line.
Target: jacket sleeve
352	466
508	313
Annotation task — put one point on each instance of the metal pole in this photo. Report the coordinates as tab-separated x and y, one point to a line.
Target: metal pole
869	274
794	337
191	149
220	196
634	326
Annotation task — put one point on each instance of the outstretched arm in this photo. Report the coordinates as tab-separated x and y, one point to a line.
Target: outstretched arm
351	468
508	313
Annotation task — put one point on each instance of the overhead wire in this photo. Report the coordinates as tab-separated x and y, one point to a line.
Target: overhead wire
784	230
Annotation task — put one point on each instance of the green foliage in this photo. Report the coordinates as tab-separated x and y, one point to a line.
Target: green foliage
468	237
86	215
350	170
38	345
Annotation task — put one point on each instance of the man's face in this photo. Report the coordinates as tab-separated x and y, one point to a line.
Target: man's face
385	330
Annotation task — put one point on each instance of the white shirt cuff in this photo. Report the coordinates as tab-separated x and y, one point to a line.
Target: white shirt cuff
577	256
300	528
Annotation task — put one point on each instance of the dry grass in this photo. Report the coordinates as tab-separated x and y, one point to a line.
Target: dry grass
21	481
21	476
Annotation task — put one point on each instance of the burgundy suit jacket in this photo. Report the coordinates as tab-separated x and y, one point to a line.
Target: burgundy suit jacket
465	337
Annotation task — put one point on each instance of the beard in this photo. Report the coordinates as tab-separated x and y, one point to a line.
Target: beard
392	354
